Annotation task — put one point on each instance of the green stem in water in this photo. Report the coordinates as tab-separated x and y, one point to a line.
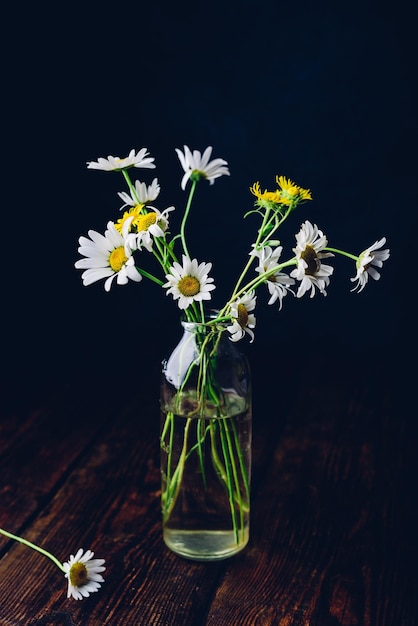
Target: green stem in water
169	423
241	463
173	488
238	494
200	436
199	443
230	483
29	544
220	469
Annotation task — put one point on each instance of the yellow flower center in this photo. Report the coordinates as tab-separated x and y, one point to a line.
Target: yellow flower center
143	222
242	315
310	257
133	211
188	286
78	574
117	259
271	196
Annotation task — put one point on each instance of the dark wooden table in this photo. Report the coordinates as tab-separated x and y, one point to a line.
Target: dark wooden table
333	523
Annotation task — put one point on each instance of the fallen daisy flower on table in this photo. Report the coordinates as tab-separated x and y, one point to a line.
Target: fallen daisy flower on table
82	571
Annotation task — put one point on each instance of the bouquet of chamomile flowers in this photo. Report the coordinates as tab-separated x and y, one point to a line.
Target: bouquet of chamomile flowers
140	236
139	244
142	229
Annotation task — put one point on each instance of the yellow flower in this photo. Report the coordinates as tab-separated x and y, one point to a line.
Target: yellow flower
134	211
288	194
291	193
265	197
143	222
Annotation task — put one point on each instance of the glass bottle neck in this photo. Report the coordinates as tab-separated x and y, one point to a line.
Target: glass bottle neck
206	327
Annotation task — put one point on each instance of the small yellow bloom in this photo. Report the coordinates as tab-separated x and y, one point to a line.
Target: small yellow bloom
133	211
144	221
290	193
267	197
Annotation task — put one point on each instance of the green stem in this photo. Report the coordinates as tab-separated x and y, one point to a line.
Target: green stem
34	547
350	256
165	250
266	221
241	462
172	490
169	422
258	280
251	259
185	216
160	243
238	494
215	455
230	485
200	439
198	443
130	185
150	276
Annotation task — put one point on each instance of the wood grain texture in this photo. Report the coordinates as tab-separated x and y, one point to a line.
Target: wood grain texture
332	528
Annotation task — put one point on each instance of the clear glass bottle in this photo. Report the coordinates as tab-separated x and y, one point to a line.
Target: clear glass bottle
205	445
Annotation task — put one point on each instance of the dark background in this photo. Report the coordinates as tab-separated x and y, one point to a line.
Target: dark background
323	95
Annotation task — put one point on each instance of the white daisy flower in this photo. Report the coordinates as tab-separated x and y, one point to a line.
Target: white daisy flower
143	194
310	271
367	263
83	574
106	257
245	320
147	225
278	283
198	166
140	159
189	282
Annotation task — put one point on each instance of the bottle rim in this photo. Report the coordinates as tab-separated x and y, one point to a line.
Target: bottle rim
198	326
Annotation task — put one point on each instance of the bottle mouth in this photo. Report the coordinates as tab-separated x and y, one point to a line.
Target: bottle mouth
199	326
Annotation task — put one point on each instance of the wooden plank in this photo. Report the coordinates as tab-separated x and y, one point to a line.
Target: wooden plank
110	502
42	447
17	411
325	544
327	522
